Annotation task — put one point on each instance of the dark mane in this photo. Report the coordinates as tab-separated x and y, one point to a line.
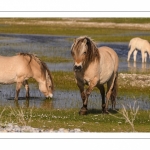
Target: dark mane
92	48
41	63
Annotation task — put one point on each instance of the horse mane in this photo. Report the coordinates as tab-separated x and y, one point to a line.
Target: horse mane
40	62
49	73
92	48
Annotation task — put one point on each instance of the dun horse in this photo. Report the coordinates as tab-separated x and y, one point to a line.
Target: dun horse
95	67
142	45
19	68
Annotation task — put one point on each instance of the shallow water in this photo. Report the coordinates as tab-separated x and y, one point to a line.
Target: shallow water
63	99
59	46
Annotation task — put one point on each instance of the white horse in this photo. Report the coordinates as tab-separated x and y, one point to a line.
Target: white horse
142	45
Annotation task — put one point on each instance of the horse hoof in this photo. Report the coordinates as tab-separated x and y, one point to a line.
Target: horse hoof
83	111
105	112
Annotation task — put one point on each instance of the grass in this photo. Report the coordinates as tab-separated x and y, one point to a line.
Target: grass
66	81
55	59
105	34
70	119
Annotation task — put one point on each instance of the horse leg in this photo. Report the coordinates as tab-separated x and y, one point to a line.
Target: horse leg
143	56
83	109
134	55
111	90
18	87
129	53
25	83
102	91
88	91
85	94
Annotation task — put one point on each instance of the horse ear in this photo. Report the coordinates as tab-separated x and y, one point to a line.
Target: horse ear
85	41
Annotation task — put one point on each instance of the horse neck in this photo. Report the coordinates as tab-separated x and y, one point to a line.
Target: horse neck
39	72
87	63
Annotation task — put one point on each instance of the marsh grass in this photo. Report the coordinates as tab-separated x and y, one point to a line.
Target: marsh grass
21	116
54	119
66	81
128	113
95	121
55	59
109	34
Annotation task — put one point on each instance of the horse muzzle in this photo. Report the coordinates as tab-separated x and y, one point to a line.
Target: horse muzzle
77	68
49	96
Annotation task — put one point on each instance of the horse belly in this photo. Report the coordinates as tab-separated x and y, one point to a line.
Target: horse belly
104	78
7	78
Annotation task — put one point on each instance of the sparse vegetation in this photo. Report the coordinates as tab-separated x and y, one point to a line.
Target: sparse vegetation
76	27
123	120
95	121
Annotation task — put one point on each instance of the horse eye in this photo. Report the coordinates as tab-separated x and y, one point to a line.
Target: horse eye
84	53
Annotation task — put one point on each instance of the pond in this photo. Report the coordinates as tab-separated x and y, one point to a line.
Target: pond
59	46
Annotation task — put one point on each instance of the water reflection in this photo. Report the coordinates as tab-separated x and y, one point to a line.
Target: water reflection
24	105
64	103
135	66
59	46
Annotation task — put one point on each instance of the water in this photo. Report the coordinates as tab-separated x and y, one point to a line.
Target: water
59	46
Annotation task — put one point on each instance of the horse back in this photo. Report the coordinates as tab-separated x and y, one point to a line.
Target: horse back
139	43
14	66
108	55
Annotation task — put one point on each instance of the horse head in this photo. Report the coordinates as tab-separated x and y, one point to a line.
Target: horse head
46	85
49	84
83	52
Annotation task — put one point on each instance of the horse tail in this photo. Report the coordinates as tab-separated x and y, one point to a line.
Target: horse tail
114	91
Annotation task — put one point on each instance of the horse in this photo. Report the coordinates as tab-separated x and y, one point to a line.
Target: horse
94	67
22	66
137	44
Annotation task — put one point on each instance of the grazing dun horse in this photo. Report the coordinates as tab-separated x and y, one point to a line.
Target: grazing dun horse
19	68
142	45
95	67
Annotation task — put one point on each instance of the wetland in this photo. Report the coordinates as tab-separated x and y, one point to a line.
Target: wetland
54	49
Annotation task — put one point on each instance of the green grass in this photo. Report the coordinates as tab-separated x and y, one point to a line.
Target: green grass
55	59
121	20
69	118
66	81
109	34
95	121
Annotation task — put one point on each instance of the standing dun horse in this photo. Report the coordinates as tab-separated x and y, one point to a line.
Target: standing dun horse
19	68
142	45
95	67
